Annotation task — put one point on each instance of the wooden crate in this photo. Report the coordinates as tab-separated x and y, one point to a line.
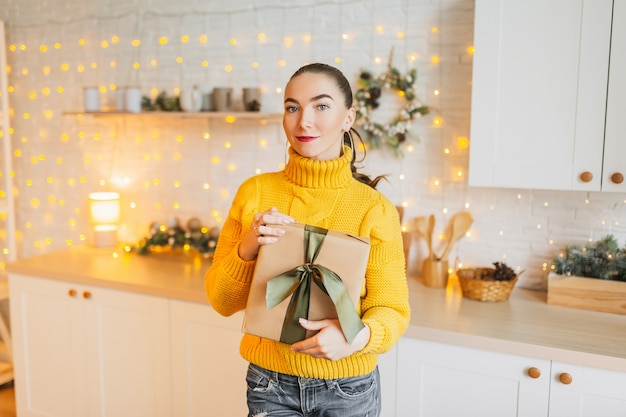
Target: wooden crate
587	293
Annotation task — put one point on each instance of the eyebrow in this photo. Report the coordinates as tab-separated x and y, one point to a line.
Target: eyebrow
312	100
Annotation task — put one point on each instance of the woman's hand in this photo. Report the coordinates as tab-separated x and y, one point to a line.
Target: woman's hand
262	234
329	342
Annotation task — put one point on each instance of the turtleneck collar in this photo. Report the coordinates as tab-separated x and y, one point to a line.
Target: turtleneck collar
310	173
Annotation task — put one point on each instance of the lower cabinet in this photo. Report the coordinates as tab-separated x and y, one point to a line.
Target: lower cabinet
208	374
82	351
88	351
388	368
85	351
578	391
441	380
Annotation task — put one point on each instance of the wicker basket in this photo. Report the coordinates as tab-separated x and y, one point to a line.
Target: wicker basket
475	288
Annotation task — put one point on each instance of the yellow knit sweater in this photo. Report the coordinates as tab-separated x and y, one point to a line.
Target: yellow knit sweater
324	194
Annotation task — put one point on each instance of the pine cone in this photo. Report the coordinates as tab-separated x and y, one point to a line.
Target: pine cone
503	272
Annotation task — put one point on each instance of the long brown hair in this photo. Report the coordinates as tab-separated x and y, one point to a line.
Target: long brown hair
348	137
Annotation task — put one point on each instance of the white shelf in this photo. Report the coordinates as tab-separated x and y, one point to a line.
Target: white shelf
250	115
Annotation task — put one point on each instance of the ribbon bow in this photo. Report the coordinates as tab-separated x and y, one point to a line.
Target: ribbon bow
297	283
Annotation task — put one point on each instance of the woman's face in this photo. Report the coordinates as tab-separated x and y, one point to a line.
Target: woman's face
315	116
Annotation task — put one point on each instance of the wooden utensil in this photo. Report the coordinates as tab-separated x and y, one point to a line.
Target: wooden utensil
458	226
422	226
430	231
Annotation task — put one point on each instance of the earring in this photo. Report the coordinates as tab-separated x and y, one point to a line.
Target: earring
342	151
348	135
286	154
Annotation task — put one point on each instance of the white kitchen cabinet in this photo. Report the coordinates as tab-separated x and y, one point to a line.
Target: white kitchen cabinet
441	380
208	373
614	167
88	351
578	391
388	368
541	73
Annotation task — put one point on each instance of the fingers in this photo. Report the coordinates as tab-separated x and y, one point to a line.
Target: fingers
272	216
328	343
313	325
264	230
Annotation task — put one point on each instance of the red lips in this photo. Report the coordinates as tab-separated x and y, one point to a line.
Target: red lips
306	138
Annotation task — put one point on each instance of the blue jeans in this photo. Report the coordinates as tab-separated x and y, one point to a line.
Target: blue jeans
272	394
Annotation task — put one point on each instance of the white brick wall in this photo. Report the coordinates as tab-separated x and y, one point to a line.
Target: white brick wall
61	158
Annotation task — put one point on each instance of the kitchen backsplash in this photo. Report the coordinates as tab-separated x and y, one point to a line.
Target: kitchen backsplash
191	167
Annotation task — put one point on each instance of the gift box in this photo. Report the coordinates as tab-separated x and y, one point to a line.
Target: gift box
310	273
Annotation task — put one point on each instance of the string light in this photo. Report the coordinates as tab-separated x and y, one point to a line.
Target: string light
449	147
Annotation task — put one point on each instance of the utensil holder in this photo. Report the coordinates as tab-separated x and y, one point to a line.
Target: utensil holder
435	273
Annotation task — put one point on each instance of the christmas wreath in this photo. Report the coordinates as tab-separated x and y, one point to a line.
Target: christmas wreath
394	133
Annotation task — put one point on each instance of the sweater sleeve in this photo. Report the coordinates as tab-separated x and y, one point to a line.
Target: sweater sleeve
227	281
385	306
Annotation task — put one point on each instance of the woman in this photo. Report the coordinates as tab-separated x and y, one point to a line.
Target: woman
323	375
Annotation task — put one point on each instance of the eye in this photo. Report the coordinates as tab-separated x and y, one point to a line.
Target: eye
323	107
291	109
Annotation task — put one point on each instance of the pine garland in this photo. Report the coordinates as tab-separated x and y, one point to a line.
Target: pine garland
603	259
195	237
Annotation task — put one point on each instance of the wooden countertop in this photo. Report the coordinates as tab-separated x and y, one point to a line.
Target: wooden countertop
165	275
524	325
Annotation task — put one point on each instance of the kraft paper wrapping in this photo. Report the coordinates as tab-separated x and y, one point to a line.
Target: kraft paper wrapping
343	254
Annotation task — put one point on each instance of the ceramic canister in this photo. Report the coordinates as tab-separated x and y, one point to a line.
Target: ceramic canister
252	98
191	100
132	99
222	98
120	99
91	99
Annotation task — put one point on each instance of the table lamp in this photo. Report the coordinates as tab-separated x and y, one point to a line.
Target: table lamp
104	210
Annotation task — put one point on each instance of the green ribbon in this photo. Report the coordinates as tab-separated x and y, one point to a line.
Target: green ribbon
297	283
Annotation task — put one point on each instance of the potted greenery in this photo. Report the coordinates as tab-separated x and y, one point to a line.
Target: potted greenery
592	277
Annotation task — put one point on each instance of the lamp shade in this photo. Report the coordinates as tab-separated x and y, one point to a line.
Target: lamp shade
104	212
104	208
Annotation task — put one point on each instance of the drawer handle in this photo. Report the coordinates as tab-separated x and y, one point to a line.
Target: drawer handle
586	176
72	292
565	378
617	178
534	373
87	295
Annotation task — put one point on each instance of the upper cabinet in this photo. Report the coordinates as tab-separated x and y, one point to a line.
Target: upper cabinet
614	169
549	86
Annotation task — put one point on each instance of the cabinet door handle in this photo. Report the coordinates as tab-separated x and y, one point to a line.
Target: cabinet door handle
565	378
586	176
617	178
534	373
71	292
87	295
